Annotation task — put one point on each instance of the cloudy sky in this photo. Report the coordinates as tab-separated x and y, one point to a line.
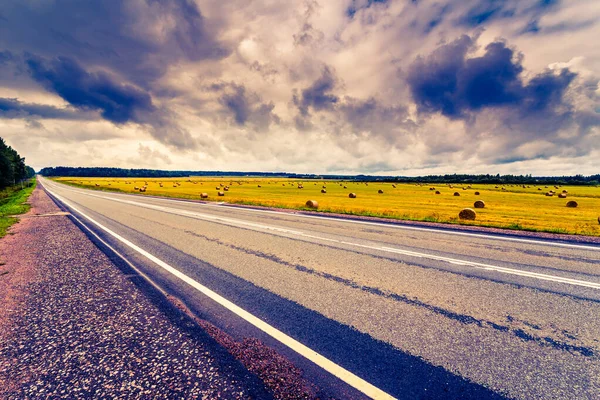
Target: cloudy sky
394	87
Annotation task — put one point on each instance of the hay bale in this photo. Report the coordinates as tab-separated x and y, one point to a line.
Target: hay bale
549	194
312	204
562	196
456	194
324	187
204	195
476	193
323	191
352	195
380	191
565	192
572	204
221	193
226	188
218	188
539	188
345	187
431	188
437	192
136	188
479	204
259	186
468	214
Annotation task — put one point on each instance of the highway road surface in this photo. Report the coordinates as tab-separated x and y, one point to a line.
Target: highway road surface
370	309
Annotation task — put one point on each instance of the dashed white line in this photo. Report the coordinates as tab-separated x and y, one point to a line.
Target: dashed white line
352	221
323	362
296	233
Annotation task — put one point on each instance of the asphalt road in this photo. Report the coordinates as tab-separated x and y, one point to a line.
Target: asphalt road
369	309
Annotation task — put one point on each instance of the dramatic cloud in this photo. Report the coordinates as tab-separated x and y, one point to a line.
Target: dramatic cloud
377	86
453	84
118	103
13	108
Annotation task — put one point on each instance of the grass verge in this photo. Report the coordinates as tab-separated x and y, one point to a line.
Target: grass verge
12	202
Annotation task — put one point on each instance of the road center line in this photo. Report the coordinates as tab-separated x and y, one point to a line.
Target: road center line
328	365
285	231
370	223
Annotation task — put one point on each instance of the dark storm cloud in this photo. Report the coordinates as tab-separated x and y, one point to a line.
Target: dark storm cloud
12	108
137	39
117	102
245	107
318	95
450	83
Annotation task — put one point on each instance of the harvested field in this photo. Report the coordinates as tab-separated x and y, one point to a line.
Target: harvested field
507	206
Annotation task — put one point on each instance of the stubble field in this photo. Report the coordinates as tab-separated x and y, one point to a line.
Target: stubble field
508	206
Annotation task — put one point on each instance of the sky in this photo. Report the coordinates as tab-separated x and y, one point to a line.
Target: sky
327	87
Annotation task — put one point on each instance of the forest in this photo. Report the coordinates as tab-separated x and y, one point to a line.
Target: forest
450	178
12	166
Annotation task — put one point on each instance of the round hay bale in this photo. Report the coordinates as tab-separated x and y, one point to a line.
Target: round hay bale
598	220
539	188
259	186
323	191
380	191
221	193
345	187
549	194
431	188
204	195
467	213
562	196
476	193
226	188
218	188
456	194
352	195
479	204
565	192
324	187
572	204
312	204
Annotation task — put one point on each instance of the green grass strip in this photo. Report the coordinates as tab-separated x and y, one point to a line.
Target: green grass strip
12	202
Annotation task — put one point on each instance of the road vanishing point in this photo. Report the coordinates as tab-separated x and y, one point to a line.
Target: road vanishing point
369	309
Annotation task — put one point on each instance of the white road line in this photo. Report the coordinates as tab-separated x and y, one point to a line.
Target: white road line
328	365
351	221
287	232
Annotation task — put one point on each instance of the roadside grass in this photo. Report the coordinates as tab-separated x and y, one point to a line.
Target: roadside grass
12	202
508	207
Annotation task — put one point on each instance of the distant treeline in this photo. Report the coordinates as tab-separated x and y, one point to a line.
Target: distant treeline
12	166
455	178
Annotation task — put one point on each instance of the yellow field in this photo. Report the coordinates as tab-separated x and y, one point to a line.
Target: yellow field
514	207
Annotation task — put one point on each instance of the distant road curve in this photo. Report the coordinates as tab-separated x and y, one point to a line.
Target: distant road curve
369	309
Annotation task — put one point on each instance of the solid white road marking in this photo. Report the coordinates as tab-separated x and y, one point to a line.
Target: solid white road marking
285	231
328	365
351	221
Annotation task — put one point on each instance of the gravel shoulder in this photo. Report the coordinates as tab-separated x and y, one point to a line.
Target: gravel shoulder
72	325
